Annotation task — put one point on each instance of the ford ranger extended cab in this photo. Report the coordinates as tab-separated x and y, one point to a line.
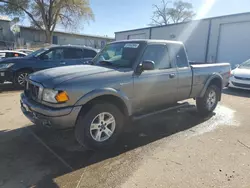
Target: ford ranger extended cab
126	80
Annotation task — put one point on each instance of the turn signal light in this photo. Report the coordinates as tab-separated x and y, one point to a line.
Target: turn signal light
62	97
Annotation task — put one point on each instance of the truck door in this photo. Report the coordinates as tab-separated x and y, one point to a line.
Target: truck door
156	87
184	72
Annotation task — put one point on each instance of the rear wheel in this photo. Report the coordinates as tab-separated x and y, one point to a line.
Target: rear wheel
99	127
20	78
207	103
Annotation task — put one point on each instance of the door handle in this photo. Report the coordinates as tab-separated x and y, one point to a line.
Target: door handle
172	75
62	63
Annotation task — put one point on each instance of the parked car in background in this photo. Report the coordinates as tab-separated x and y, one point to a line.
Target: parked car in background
128	80
240	76
11	53
27	51
16	70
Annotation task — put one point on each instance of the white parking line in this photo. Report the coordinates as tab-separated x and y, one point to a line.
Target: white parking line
79	181
48	148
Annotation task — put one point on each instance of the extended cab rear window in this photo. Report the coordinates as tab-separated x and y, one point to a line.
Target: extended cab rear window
179	53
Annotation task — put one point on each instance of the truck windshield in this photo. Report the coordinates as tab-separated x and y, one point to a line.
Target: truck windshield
122	54
245	65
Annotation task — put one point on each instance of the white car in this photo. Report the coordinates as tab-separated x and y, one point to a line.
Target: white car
26	51
11	53
240	76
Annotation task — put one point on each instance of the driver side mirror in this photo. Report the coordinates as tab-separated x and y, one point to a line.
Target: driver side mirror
148	65
145	65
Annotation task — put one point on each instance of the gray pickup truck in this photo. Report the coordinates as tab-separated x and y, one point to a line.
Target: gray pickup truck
126	80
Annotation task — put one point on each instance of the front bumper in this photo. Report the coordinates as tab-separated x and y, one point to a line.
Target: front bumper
59	118
239	84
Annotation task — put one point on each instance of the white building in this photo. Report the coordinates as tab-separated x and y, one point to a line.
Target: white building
218	39
32	37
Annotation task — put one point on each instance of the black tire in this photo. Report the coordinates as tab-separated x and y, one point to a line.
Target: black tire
85	119
18	76
203	108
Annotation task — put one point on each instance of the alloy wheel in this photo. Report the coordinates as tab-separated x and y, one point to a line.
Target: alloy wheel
102	127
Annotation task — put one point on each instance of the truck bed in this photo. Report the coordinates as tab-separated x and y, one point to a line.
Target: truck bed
202	72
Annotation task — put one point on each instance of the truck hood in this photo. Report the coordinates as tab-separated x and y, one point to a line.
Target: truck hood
55	76
241	72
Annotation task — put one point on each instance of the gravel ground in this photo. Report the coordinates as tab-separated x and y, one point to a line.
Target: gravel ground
168	150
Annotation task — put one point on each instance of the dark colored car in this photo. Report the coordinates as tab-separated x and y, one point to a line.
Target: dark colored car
16	70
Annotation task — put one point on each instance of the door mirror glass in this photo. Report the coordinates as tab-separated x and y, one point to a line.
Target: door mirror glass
148	65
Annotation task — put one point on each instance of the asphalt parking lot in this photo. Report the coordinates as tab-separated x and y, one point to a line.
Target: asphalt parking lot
170	150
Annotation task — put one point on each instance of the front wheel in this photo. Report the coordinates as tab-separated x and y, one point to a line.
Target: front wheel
20	78
99	127
207	103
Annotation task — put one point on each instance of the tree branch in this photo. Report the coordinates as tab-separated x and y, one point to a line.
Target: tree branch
23	9
179	12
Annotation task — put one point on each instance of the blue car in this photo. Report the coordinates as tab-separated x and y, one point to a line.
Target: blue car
15	70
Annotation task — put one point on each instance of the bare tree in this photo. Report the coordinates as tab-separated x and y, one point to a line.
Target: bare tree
47	14
169	12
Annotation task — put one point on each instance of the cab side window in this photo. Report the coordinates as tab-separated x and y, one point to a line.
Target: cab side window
159	55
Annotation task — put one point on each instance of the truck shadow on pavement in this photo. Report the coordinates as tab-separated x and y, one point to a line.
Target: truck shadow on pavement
9	87
27	158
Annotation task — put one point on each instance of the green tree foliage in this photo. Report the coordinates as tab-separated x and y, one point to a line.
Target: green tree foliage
47	14
168	12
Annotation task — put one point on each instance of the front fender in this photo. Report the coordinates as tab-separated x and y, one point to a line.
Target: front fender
209	80
102	92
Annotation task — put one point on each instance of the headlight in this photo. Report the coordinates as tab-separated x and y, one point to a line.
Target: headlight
232	74
53	96
5	66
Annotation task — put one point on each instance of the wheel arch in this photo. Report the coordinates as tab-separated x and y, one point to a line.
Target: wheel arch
23	69
107	94
215	79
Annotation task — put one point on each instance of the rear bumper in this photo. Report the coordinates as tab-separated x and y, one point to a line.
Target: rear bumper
61	118
239	84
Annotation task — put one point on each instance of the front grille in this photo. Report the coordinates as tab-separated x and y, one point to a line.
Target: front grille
32	91
241	78
241	85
